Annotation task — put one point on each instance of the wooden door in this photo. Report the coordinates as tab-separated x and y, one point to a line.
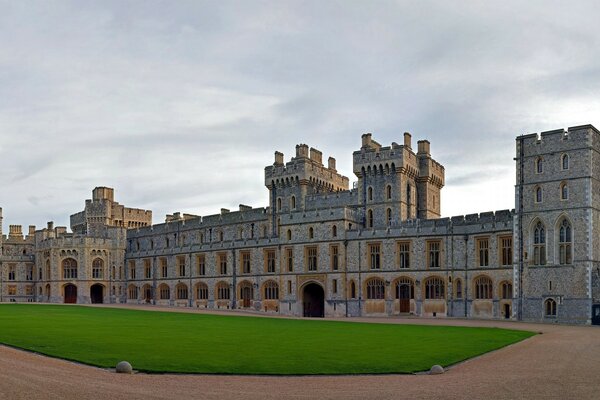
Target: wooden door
404	297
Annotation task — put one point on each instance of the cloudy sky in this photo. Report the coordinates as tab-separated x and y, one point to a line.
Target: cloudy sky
179	105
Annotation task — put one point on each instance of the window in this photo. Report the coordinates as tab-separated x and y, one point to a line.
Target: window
132	270
550	308
69	268
539	165
565	161
352	290
404	255
246	267
458	286
202	291
132	292
564	191
334	231
408	201
506	251
375	255
279	204
405	288
370	193
388	214
223	292
334	256
293	203
289	234
433	254
164	292
12	290
181	266
538	194
564	242
289	285
370	219
289	254
221	236
97	268
223	264
29	291
483	249
539	244
201	260
181	291
12	272
48	276
271	290
506	290
163	268
270	260
483	288
375	289
29	273
311	257
334	285
388	192
311	233
148	269
434	289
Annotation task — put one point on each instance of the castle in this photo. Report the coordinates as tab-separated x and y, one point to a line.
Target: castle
321	248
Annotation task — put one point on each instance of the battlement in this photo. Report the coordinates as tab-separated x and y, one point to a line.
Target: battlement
319	216
558	139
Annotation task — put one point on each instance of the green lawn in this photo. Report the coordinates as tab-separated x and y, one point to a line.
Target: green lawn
197	343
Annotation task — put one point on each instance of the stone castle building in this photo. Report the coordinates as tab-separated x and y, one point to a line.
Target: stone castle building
321	248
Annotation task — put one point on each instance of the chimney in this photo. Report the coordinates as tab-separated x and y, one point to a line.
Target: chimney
278	158
50	225
331	163
31	229
423	147
407	140
301	150
366	140
316	155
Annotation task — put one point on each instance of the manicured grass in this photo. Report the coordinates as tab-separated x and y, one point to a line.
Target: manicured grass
200	343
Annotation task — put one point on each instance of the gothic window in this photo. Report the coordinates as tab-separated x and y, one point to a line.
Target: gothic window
223	264
279	204
311	258
408	201
369	218
538	194
181	265
483	247
388	192
334	256
564	191
375	289
201	291
539	244
370	193
69	268
223	291
565	242
404	281
12	273
97	268
458	287
164	292
434	288
164	270
293	202
539	165
132	292
334	231
352	290
289	234
483	288
181	291
246	268
506	290
375	256
290	259
506	250
311	233
433	254
201	260
389	216
271	290
550	308
565	161
404	255
270	261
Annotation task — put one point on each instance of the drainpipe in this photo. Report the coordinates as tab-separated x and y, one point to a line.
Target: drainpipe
520	229
359	280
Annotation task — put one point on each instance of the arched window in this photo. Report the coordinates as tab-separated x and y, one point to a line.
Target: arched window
538	194
220	236
240	233
539	165
370	192
375	289
408	201
458	288
388	192
181	291
564	242
565	161
97	268
483	288
434	288
293	203
370	219
564	191
289	234
164	292
506	291
407	284
271	290
352	290
539	244
279	204
132	292
389	216
550	308
223	291
334	231
201	291
47	270
311	233
69	268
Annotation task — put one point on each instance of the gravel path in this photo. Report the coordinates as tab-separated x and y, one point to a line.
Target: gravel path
561	363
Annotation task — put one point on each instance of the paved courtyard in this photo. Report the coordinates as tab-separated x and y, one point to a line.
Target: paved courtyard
561	363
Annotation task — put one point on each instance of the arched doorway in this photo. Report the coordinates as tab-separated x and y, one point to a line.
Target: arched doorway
246	294
70	294
313	301
97	294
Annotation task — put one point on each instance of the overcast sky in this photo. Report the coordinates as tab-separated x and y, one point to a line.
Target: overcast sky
180	105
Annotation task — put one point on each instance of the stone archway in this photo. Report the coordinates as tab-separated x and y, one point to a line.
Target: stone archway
313	301
97	294
70	291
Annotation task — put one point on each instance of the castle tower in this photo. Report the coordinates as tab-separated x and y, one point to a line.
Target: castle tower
556	225
395	184
303	175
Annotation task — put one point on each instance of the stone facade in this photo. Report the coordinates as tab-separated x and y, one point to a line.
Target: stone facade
322	248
